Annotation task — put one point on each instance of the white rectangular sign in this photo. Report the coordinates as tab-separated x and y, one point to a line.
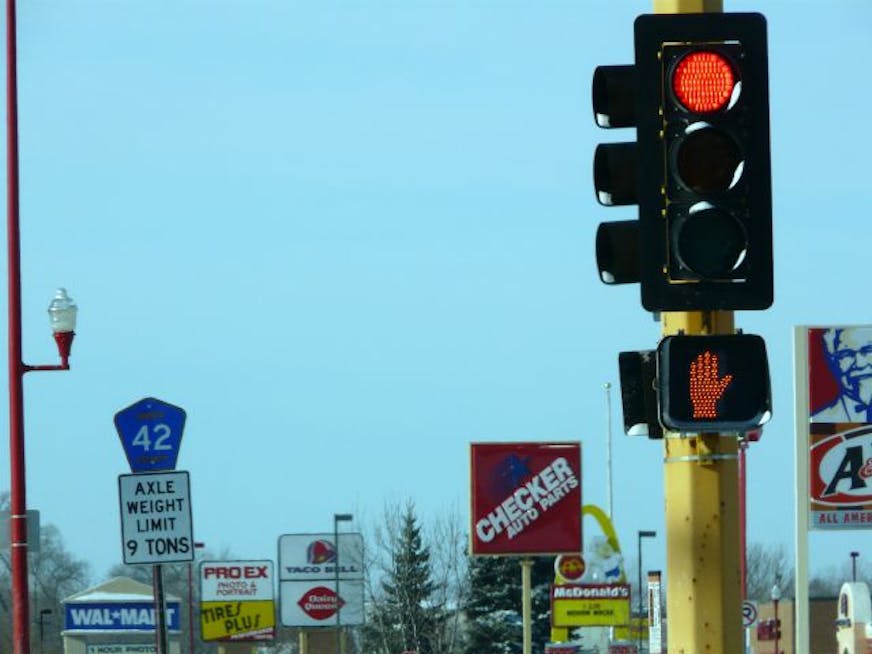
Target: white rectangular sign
156	517
236	581
655	627
308	557
106	648
316	603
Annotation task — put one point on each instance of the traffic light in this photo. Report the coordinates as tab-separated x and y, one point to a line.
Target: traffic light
614	173
638	370
713	383
766	630
702	161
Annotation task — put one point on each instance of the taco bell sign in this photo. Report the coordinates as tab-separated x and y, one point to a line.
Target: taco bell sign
526	498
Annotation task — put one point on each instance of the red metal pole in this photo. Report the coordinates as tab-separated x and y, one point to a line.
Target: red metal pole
17	496
743	519
777	626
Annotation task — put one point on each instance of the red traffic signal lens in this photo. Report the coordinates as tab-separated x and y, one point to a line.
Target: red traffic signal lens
703	81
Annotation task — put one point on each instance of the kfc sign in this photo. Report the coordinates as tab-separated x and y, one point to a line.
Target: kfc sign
526	498
840	426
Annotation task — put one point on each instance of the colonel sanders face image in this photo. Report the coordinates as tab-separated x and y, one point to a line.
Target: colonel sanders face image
849	357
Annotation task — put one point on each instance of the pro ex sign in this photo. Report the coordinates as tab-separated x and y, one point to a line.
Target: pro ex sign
237	600
526	498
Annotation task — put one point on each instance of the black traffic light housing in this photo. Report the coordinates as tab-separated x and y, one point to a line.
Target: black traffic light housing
700	173
638	372
713	383
703	166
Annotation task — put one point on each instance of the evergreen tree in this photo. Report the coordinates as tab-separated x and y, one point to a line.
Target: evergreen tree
402	618
494	607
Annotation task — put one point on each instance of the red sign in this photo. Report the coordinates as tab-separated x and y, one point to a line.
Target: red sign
320	603
552	648
840	429
526	498
840	476
570	566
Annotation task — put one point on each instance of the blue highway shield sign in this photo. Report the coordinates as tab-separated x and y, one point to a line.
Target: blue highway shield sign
151	432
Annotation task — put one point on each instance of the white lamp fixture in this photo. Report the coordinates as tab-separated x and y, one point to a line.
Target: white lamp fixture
62	312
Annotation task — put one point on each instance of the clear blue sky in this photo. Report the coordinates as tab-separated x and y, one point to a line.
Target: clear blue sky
351	237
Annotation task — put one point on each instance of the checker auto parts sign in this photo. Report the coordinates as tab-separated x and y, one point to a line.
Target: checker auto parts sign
526	498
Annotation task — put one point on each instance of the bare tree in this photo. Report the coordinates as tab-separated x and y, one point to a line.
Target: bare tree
448	544
768	565
54	574
828	582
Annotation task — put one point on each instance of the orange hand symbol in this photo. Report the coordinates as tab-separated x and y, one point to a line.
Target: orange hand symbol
705	387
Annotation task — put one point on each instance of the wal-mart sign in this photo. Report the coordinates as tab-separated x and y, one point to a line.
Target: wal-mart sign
117	616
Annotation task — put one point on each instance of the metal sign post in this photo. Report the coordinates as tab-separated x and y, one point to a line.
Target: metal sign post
155	508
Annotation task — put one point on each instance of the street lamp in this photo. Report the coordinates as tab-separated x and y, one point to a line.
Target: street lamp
775	595
62	312
65	326
62	316
642	534
337	518
854	556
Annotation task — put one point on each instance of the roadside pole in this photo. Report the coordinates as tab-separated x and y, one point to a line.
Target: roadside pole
150	432
160	610
699	171
703	582
703	594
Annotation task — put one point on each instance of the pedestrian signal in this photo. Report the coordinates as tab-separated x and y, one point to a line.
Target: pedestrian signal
713	383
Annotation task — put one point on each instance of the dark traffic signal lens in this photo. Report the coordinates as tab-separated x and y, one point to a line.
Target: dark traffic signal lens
708	160
709	242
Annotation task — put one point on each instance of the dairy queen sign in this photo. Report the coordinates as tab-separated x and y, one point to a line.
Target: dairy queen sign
526	498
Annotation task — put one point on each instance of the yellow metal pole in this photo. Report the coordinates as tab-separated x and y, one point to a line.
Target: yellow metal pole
701	483
304	643
687	6
526	602
701	480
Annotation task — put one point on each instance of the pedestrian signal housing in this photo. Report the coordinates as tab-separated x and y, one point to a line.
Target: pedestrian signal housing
713	383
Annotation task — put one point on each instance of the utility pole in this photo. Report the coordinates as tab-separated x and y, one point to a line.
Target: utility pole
701	248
